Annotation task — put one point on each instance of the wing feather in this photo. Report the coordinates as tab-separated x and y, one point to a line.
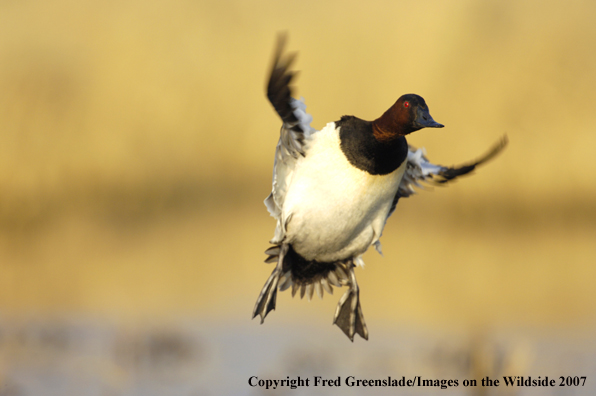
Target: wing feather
420	170
294	131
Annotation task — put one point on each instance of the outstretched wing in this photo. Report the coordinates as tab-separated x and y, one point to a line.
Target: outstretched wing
296	122
293	134
420	169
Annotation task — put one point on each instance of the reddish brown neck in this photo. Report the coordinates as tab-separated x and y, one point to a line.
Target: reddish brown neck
381	133
389	126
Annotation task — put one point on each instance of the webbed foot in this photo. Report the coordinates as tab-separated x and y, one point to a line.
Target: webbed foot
266	300
348	314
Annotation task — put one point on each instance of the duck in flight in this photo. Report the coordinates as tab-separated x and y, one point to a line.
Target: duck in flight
334	189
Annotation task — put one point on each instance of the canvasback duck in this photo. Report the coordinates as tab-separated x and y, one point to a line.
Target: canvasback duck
334	189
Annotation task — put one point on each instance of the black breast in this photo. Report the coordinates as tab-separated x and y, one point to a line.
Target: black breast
365	152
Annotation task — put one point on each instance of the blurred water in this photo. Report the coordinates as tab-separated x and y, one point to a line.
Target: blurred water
93	357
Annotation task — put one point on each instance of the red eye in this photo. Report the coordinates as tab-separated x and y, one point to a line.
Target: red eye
406	104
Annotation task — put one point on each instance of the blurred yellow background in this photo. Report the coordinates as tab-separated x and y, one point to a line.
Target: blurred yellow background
136	147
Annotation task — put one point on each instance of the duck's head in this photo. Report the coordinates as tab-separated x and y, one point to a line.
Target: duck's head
407	115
